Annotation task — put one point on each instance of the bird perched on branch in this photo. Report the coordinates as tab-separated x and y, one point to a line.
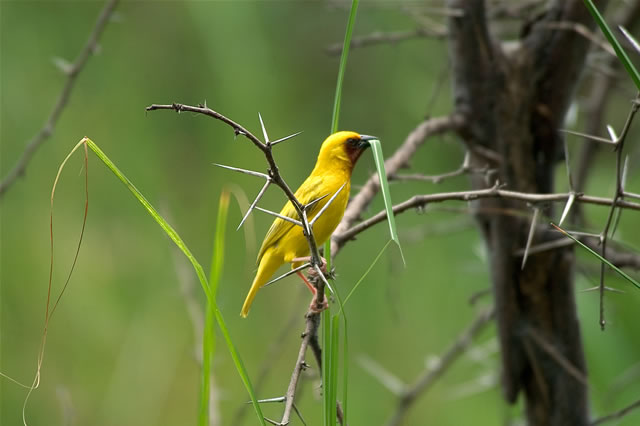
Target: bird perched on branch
285	242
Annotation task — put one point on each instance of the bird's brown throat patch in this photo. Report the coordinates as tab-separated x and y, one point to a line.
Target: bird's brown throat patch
353	153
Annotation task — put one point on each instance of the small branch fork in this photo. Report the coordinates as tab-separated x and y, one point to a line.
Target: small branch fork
273	176
72	71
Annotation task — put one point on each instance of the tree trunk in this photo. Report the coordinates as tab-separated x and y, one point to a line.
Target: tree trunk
514	99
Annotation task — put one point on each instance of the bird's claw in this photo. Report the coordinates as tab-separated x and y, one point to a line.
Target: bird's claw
323	268
316	308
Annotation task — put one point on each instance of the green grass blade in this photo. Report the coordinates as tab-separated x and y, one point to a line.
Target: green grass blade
602	259
242	372
209	336
330	345
326	366
208	349
343	65
217	256
345	355
622	55
386	194
345	373
338	96
333	383
367	272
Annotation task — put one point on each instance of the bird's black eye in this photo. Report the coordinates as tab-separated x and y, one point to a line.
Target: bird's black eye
352	141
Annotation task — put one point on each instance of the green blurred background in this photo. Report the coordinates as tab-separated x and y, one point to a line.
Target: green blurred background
121	348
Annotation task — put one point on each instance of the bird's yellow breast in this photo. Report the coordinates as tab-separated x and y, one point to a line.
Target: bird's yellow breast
293	243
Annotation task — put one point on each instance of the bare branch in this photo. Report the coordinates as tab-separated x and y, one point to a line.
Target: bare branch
202	109
380	37
431	374
274	173
72	73
584	31
313	321
618	414
464	169
495	192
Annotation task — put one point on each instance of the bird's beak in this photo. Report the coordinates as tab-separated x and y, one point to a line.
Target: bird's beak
364	141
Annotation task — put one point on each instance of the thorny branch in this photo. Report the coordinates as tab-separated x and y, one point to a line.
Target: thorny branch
310	332
418	201
72	73
273	172
619	194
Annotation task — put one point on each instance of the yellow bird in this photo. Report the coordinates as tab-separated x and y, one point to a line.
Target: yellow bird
284	242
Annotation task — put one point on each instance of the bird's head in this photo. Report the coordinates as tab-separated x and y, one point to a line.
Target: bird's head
344	147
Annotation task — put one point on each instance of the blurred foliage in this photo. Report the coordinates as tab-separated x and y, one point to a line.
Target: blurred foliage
121	346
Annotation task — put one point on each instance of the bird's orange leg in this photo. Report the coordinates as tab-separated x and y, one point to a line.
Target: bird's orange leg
313	307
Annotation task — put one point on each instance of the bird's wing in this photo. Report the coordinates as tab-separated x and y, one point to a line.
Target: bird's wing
311	189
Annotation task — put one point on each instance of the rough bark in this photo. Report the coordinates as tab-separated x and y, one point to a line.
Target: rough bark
514	102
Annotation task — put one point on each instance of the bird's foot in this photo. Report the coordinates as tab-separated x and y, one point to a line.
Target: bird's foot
314	308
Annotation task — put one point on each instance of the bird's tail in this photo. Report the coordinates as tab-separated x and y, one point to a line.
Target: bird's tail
265	271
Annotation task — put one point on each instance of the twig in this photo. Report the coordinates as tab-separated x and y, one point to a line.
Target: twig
465	168
273	172
617	415
619	193
313	321
584	32
379	37
429	376
494	192
272	354
72	73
